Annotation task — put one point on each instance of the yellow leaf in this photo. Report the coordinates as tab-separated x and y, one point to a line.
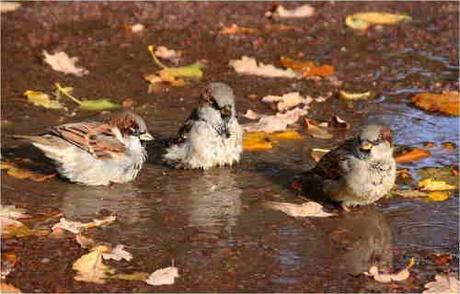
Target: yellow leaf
90	268
362	20
287	135
42	99
259	141
447	102
438	195
433	185
355	96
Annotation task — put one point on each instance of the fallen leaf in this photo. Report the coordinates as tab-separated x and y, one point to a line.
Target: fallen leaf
315	130
447	174
434	185
387	278
42	99
355	96
287	101
84	241
438	196
410	193
137	28
8	261
118	253
8	288
234	29
412	154
338	123
307	209
9	6
61	62
444	283
259	141
10	211
429	144
318	153
403	176
77	227
307	68
441	258
249	66
302	11
98	105
90	268
13	228
168	54
446	102
19	173
362	20
136	276
164	276
449	146
278	122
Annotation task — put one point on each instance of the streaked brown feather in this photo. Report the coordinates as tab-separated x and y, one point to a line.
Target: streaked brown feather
329	165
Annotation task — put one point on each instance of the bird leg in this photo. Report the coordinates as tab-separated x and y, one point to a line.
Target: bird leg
344	207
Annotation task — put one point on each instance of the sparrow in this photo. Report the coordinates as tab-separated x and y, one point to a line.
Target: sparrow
361	170
211	136
96	152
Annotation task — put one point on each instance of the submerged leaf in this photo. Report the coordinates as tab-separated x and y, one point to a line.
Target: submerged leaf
362	20
307	209
38	98
307	68
98	104
444	283
446	102
412	154
77	227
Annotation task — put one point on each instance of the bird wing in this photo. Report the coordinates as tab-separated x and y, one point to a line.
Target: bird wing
184	131
333	164
97	138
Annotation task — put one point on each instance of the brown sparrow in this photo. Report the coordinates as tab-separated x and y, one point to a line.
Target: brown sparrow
97	152
361	170
211	136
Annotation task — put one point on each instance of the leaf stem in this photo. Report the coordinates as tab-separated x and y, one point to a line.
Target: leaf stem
66	93
155	59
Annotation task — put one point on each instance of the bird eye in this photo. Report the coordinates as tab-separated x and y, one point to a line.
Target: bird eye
134	131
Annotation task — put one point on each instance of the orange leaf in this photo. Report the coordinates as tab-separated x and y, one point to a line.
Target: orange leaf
412	155
307	68
8	288
447	102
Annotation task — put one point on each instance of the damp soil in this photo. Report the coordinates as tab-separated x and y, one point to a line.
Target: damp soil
213	224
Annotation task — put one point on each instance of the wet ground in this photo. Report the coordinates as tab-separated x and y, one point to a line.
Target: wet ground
213	224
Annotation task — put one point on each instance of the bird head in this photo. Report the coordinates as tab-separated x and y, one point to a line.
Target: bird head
375	142
221	98
130	124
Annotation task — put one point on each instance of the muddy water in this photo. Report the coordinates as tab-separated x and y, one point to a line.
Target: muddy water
213	224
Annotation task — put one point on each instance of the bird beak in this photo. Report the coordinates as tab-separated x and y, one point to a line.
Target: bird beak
226	111
365	146
146	137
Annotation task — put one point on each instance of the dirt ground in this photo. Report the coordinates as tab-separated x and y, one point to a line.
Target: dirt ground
213	224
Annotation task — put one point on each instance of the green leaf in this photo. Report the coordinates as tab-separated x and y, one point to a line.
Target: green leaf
42	99
99	104
189	71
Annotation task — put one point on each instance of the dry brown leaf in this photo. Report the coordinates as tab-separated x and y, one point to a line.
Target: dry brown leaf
444	283
90	268
164	276
387	278
447	102
234	29
307	68
249	66
307	209
412	154
315	130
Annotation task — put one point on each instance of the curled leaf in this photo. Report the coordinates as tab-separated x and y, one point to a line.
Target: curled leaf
316	131
318	153
77	227
355	96
38	98
307	68
387	278
338	123
362	20
249	66
164	276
